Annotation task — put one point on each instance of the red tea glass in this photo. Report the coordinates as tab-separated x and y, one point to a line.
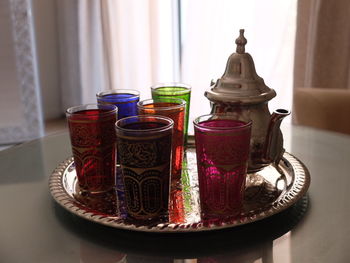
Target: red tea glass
144	146
174	109
93	140
222	148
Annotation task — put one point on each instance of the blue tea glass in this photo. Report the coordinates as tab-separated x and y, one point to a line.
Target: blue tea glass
125	99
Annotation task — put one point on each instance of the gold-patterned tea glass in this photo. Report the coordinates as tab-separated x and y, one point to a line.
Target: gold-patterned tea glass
144	146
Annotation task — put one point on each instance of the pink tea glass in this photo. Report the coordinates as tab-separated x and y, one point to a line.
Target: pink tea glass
222	148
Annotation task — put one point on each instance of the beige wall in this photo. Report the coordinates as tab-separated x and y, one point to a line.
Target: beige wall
46	35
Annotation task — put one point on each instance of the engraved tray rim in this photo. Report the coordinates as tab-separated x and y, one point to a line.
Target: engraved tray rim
300	184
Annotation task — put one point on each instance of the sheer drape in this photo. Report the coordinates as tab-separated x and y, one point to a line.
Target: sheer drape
322	65
109	44
322	53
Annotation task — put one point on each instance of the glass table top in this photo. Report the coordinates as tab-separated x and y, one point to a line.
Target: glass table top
34	228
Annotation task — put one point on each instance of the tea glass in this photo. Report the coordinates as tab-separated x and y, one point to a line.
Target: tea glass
222	147
163	91
174	109
144	146
92	135
125	99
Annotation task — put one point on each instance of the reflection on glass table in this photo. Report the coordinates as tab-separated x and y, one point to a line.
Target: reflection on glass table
34	228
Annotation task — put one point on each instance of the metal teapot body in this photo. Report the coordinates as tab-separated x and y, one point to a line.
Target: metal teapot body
266	144
240	91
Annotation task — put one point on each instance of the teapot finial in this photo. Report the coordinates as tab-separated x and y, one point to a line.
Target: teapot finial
241	41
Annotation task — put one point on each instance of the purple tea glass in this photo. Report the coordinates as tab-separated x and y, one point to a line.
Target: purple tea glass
222	148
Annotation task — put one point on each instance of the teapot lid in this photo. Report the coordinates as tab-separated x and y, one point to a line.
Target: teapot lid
240	83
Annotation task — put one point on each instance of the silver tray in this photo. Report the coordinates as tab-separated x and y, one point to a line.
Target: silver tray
268	192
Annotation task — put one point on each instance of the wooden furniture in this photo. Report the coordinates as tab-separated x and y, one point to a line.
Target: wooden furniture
327	109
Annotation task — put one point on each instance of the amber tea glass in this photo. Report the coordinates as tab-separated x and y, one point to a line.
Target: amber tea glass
222	148
174	109
144	146
93	139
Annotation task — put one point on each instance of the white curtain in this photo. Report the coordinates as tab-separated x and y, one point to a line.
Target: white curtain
322	54
108	44
115	44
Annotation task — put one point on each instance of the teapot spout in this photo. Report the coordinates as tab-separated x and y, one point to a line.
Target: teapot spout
273	148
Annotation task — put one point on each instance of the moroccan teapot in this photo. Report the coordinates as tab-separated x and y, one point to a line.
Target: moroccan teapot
240	91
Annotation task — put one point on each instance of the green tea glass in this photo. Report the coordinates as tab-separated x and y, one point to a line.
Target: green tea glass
161	92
